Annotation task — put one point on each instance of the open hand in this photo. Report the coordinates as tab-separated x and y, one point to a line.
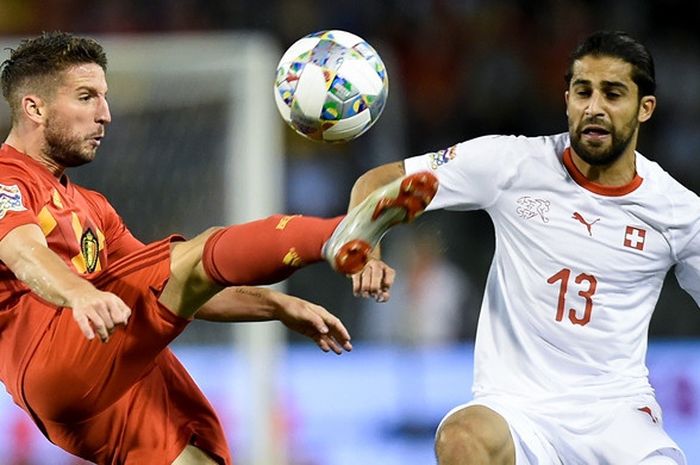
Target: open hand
313	321
374	281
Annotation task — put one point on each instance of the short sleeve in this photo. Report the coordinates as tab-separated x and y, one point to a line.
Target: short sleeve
688	264
472	173
686	238
18	200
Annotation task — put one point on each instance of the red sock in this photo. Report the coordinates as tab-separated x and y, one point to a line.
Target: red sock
265	251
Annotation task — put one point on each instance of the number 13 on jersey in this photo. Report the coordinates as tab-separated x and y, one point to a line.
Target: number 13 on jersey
586	284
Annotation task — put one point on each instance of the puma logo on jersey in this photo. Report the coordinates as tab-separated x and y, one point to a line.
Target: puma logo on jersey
578	217
529	207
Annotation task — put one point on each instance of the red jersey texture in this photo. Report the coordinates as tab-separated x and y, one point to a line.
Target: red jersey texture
125	402
79	224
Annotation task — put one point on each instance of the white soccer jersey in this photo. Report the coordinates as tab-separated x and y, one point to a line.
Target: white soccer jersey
577	270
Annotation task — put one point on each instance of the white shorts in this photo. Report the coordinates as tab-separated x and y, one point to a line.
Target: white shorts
621	433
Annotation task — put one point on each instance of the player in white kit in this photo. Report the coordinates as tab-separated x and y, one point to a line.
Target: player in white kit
586	229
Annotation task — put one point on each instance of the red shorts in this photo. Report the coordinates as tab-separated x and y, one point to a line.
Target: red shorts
128	401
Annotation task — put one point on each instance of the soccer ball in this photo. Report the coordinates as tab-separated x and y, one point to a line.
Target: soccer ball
331	86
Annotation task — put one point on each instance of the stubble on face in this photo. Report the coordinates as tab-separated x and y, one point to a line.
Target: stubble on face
598	154
603	109
64	147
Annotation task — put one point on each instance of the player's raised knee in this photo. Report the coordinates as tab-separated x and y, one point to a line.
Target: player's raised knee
473	436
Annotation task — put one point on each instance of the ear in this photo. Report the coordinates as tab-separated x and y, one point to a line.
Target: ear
34	108
646	108
566	101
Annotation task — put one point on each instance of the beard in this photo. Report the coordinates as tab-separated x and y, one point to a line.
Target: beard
598	155
65	148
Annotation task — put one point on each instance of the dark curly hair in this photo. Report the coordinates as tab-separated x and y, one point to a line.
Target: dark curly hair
37	61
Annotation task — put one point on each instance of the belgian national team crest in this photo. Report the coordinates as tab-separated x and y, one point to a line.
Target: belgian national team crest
89	247
10	200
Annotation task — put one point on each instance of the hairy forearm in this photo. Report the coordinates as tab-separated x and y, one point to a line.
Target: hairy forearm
239	304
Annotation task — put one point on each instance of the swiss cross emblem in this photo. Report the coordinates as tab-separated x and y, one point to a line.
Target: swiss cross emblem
634	237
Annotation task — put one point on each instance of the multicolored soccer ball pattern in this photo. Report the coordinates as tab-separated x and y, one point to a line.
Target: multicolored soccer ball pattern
331	86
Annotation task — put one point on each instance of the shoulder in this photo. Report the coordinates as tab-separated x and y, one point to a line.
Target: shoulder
516	154
670	206
15	166
526	146
495	152
18	178
658	181
93	197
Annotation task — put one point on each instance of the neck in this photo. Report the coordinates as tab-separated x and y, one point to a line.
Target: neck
619	173
32	145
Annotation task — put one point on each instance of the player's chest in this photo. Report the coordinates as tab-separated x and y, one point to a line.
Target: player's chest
573	225
72	230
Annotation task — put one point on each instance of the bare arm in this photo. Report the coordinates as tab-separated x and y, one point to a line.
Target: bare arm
377	277
25	252
245	303
373	179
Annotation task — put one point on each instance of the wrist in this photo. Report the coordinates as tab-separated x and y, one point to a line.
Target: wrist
76	291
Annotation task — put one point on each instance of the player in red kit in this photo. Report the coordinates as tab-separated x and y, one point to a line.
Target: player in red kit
87	310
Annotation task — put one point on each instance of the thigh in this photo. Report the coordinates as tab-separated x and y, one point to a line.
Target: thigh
69	378
530	445
476	431
634	431
189	285
151	424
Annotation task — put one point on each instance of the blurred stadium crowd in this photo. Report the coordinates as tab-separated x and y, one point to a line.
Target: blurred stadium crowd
458	69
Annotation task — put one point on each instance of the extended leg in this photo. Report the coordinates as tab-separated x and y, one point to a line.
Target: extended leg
269	250
259	252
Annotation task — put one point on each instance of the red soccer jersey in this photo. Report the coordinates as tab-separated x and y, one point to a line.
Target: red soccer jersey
79	224
133	376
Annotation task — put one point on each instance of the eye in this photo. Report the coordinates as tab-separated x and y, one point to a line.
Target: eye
613	95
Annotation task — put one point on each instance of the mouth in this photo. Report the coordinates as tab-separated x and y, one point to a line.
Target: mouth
96	139
595	132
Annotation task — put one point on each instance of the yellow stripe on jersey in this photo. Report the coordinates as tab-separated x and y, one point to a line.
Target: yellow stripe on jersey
77	226
79	263
56	199
47	222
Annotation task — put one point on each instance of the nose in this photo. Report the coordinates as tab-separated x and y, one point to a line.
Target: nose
103	115
595	105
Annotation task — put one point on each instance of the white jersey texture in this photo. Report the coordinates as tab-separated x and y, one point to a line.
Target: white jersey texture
577	270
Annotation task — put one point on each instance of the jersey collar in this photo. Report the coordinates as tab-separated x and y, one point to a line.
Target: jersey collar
596	188
11	152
